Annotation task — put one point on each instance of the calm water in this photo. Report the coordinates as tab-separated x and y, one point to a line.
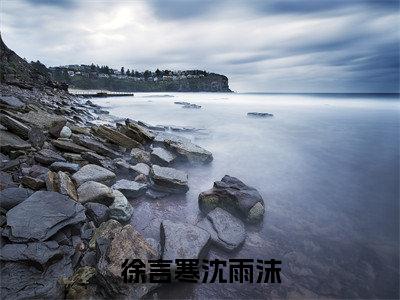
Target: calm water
328	170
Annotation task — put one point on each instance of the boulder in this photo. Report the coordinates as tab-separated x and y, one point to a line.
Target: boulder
96	212
56	127
93	157
61	183
116	137
169	180
183	241
10	142
15	126
162	157
234	196
121	210
68	146
226	231
41	215
48	156
95	146
65	132
189	152
64	167
93	173
137	132
92	191
113	249
130	189
141	168
140	156
13	196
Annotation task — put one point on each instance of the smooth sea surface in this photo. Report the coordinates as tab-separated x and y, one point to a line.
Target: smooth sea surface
327	166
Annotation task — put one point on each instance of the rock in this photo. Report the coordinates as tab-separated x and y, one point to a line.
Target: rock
156	194
11	101
78	286
36	137
91	191
226	231
155	245
56	127
9	142
113	249
190	152
74	158
13	196
192	105
15	126
130	189
65	132
259	114
103	231
64	166
93	173
33	183
141	178
162	157
96	212
162	137
93	157
48	156
95	146
141	168
68	146
169	180
183	241
116	137
123	168
121	210
6	181
234	196
41	215
140	156
182	103
137	132
61	183
37	171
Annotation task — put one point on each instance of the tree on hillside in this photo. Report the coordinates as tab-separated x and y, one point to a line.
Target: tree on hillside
128	73
158	73
122	71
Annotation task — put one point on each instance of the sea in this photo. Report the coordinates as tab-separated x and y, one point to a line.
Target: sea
327	167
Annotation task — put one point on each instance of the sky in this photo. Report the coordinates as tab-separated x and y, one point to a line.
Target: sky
261	46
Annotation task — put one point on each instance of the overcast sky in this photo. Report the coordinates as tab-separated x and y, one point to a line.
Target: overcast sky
262	46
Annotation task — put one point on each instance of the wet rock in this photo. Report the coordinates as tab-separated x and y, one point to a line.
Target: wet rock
69	146
64	166
6	181
140	156
95	146
152	194
226	231
121	210
96	212
113	249
162	157
74	158
11	101
56	126
141	178
103	230
37	171
162	137
190	152
93	157
65	132
13	196
130	189
234	196
169	180
42	215
36	137
10	142
183	240
123	168
259	114
137	132
141	168
116	137
15	126
48	156
181	102
92	191
93	173
61	183
33	183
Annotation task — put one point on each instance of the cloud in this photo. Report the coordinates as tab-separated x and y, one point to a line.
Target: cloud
273	46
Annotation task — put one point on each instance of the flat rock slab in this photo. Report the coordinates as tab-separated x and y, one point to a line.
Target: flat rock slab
93	173
187	151
48	156
95	146
121	210
96	212
234	196
130	189
15	126
162	157
141	168
116	137
182	241
92	191
42	215
10	141
13	196
11	101
169	180
64	167
68	146
139	155
226	231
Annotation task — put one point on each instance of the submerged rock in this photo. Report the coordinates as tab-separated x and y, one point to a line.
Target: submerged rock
169	180
259	114
130	189
121	210
234	196
93	173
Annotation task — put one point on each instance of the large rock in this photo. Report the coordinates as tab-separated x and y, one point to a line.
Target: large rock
226	231
140	156
169	180
130	189
64	166
56	127
96	212
113	249
65	132
116	137
42	215
93	173
37	137
92	191
10	142
162	157
121	210
190	152
95	146
33	183
61	183
15	126
48	156
141	168
234	196
137	132
68	146
13	196
183	241
102	231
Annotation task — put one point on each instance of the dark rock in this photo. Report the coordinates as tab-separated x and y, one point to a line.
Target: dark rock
42	215
33	183
74	158
130	189
48	156
80	285
11	101
6	181
103	230
13	196
93	173
226	231
92	191
96	212
192	105
169	180
162	157
234	196
15	126
56	127
64	166
156	194
93	157
89	259
9	142
116	137
96	146
259	114
68	146
121	210
36	137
